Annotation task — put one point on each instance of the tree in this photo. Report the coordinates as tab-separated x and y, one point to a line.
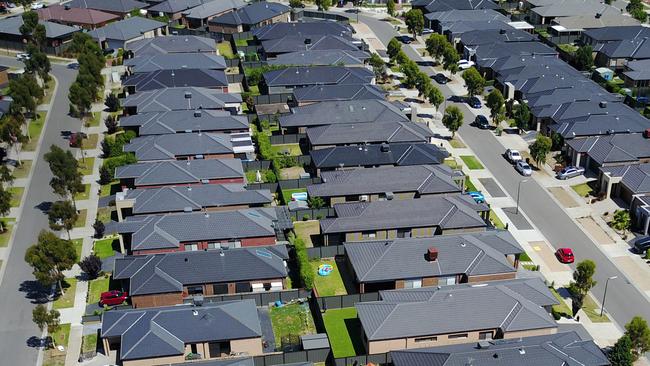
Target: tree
621	353
637	330
104	175
422	83
621	220
378	66
99	228
66	180
410	70
80	100
30	21
92	266
23	101
112	102
495	102
521	114
435	97
295	4
393	49
582	282
435	45
637	10
414	20
323	5
45	319
62	215
316	202
474	81
111	124
450	59
5	205
540	149
452	119
390	7
49	257
11	133
584	59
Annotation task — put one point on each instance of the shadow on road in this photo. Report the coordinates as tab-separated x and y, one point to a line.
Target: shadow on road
44	206
35	291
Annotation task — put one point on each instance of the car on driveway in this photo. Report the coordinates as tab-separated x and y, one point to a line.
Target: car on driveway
523	168
22	56
565	255
477	196
112	298
642	244
474	102
405	39
427	31
481	122
465	64
440	78
570	172
513	155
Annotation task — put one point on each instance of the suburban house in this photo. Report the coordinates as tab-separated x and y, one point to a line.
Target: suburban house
441	260
370	156
616	45
602	124
640	211
607	150
321	58
331	93
167	335
398	183
172	44
345	134
193	231
85	18
198	16
175	61
180	98
568	29
551	12
174	172
172	9
56	34
170	199
637	75
251	16
286	80
202	78
421	218
550	350
335	112
625	181
167	279
432	6
181	146
117	34
247	361
407	319
122	8
442	21
272	48
185	121
304	29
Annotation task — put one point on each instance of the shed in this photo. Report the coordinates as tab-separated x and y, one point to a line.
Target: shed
314	341
605	73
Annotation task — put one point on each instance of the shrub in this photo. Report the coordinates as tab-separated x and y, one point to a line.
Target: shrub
99	228
305	217
91	265
114	162
270	177
104	175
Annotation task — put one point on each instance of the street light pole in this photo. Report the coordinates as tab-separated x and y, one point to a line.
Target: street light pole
519	189
602	306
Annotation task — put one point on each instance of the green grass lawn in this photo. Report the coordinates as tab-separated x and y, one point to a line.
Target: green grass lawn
16	195
524	257
91	142
95	289
451	162
111	188
344	332
95	120
292	321
104	214
78	244
83	195
86	165
104	248
241	42
583	190
593	311
67	299
89	343
471	162
35	129
456	143
254	89
286	193
61	336
22	171
496	220
328	285
562	307
469	186
225	50
305	229
49	92
293	149
4	237
81	219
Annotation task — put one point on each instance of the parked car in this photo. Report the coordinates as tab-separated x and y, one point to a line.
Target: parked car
112	298
570	172
73	66
523	168
641	245
481	122
75	139
474	102
440	78
513	155
427	31
38	5
477	196
465	64
565	255
405	39
23	56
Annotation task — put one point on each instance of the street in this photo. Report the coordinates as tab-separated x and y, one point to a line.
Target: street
19	292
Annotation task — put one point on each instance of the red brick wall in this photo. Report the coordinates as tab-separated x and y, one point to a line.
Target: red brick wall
254	242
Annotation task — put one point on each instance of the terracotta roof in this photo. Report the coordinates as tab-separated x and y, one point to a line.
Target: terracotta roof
75	15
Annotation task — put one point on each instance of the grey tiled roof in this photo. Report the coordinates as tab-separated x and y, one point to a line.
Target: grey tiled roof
280	30
613	148
212	8
371	155
173	6
162	123
165	147
180	172
235	362
638	70
172	44
617	33
150	63
636	177
321	58
252	14
197	197
444	5
559	349
11	25
318	75
169	231
323	93
586	19
469	254
452	16
448	212
126	29
174	99
602	125
294	43
456	310
486	37
158	332
116	6
160	273
361	133
349	111
423	179
162	79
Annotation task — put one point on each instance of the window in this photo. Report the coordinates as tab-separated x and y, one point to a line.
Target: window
403	233
195	290
220	288
426	339
485	335
214	245
446	281
242	287
191	247
351	198
258	287
413	283
457	336
368	234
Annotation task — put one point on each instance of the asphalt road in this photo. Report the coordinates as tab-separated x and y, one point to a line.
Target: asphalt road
19	292
624	300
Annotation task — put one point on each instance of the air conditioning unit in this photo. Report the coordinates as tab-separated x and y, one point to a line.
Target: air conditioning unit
364	198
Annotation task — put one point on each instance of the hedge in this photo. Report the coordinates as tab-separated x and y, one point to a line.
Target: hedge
306	271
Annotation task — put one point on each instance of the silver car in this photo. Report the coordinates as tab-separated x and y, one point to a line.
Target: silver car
570	172
523	168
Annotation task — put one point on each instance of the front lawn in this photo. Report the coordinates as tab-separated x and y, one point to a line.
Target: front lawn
104	248
16	195
451	162
496	220
94	121
471	161
81	219
104	214
35	129
583	190
22	171
291	321
61	336
562	308
344	332
90	142
83	195
86	166
286	194
4	237
78	244
328	285
593	311
286	149
456	143
95	289
67	299
109	189
469	186
89	343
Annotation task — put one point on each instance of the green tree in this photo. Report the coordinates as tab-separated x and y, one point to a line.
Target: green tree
30	21
91	265
378	66
582	282
45	319
450	59
5	205
435	97
621	353
496	102
62	215
316	202
637	10
452	119
80	99
540	149
521	114
422	83
11	133
637	330
390	7
474	81
584	59
393	49
411	71
414	20
49	257
295	4
66	179
112	102
323	5
435	45
621	220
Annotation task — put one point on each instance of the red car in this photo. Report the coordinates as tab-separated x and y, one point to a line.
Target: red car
112	298
564	255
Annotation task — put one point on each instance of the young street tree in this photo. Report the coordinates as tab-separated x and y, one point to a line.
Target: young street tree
390	7
378	66
450	59
637	330
540	149
45	319
582	282
521	114
92	266
435	97
422	83
584	59
474	82
62	215
295	4
393	49
414	20
621	353
5	205
66	180
452	119
435	45
112	102
49	257
323	5
11	133
496	102
111	124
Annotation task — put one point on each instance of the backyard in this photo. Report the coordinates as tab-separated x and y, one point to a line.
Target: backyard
330	285
308	231
286	194
290	322
286	149
344	332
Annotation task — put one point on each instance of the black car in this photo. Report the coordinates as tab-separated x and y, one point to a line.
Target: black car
73	66
440	78
474	102
405	39
642	244
481	122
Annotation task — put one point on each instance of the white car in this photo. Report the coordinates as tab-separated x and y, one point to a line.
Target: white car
465	64
38	5
22	56
523	168
513	155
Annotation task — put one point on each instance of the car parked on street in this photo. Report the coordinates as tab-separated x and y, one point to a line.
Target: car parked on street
76	139
73	66
440	78
565	255
474	102
112	298
477	196
481	122
523	168
23	56
405	39
37	5
513	156
570	172
427	31
465	64
642	244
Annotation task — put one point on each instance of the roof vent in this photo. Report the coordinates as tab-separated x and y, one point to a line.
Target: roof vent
67	7
602	104
432	254
197	300
221	253
522	351
598	15
384	148
307	40
483	344
502	31
197	113
195	313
